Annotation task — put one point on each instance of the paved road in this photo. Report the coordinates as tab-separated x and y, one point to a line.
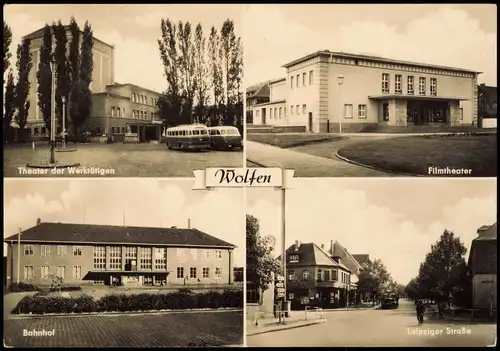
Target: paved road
127	160
379	328
147	330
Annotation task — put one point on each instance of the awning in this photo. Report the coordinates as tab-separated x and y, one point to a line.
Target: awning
415	97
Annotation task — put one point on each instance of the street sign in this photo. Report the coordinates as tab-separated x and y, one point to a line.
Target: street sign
280	290
280	278
280	285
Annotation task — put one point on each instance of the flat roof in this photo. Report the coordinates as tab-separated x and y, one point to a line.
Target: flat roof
117	85
277	80
415	97
270	103
374	58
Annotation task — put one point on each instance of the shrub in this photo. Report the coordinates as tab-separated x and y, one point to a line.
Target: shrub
65	288
185	290
40	303
22	287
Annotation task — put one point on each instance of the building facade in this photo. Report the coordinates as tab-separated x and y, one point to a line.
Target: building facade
126	110
103	255
314	278
103	74
256	94
483	268
337	250
328	90
487	109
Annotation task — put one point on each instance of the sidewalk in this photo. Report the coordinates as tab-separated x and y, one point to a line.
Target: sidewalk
271	325
305	165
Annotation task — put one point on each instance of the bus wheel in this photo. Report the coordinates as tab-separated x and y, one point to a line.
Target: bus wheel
169	146
212	145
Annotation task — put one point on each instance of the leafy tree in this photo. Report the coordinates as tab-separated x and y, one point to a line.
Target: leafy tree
7	41
216	77
44	76
86	58
187	65
412	289
74	51
373	278
63	74
400	290
201	75
260	261
24	65
442	271
9	106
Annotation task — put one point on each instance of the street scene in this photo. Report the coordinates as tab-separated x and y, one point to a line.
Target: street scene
89	265
330	101
405	275
76	104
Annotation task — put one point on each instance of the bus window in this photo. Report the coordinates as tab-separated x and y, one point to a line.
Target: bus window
223	132
196	132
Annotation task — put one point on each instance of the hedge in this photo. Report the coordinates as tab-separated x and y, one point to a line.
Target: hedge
22	287
40	304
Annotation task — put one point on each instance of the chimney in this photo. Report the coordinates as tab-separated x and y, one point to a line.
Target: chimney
297	245
336	259
322	246
332	243
189	223
38	221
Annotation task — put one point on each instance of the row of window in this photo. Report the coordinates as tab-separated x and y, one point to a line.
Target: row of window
361	112
186	132
136	114
302	80
322	275
143	99
45	250
410	85
205	273
47	274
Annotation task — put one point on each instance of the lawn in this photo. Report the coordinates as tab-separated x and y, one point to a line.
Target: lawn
288	140
414	155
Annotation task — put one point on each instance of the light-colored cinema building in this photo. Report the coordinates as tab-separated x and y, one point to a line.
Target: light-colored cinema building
325	90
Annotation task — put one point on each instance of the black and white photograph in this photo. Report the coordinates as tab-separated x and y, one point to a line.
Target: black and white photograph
372	90
122	263
372	263
156	92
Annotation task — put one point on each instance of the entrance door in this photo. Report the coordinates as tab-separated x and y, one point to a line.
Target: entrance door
263	116
310	121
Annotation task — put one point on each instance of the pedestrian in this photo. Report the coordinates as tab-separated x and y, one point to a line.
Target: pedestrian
420	312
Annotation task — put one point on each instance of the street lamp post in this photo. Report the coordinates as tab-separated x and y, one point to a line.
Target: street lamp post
53	113
340	81
63	122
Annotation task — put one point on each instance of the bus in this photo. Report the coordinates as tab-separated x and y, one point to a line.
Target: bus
188	137
225	137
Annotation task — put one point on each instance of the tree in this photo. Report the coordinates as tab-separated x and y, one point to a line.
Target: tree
24	65
401	290
187	65
216	77
373	278
7	41
201	75
441	273
260	261
9	106
74	51
44	77
412	289
86	58
63	74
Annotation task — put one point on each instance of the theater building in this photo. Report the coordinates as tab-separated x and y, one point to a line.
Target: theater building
314	278
327	90
133	256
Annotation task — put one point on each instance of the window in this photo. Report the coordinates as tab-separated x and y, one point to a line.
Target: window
28	272
327	275
291	275
29	250
291	296
77	272
410	88
45	250
115	258
334	275
218	254
118	112
347	111
293	258
160	260
305	275
113	111
421	85
62	250
385	82
61	272
461	114
433	86
298	80
77	250
180	272
397	81
297	109
271	113
385	112
304	108
99	258
292	110
131	252
311	76
133	97
218	272
304	79
292	82
146	258
44	272
192	272
206	271
280	111
362	111
320	275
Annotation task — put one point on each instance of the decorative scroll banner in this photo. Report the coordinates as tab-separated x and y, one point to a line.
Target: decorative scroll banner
242	177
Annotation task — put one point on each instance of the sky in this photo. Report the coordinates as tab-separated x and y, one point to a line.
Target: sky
396	221
141	201
133	29
462	36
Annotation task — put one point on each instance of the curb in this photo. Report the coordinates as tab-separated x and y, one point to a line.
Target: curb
257	163
275	329
116	314
345	159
